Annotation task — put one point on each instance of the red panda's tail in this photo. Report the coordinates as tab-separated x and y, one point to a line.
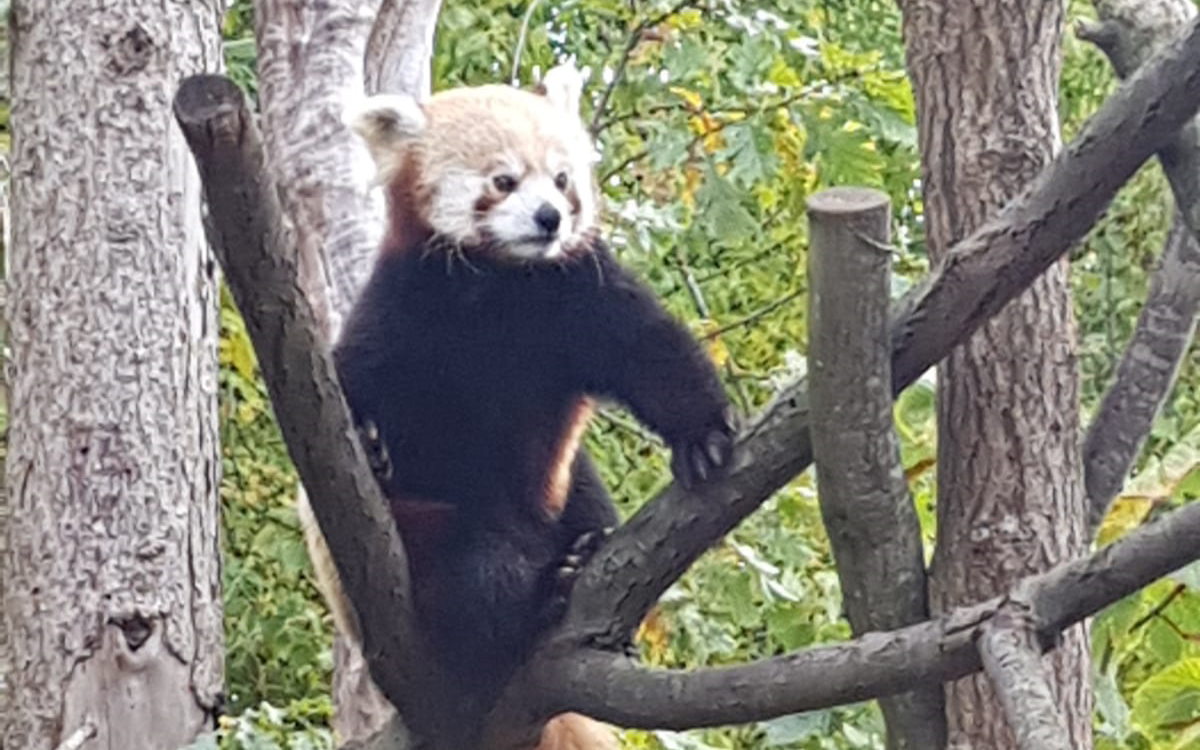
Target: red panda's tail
577	732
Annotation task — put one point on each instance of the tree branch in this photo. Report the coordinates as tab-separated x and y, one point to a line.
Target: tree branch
310	64
865	503
1128	32
1146	372
977	278
613	688
1012	657
244	228
400	47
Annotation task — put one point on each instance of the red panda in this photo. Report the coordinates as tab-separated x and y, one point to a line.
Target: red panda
492	319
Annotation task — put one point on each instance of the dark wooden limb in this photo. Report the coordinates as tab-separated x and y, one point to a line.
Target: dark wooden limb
978	277
613	688
1128	32
865	502
245	229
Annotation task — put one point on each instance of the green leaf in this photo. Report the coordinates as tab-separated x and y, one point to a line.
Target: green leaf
721	212
1171	696
1112	707
790	730
750	151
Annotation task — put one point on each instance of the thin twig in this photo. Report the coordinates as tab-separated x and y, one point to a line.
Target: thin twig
516	66
1159	608
761	312
75	740
631	43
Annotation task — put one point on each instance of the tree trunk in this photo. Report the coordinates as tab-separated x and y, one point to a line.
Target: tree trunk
1010	499
110	574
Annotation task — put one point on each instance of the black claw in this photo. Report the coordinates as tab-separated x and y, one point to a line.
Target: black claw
719	447
679	468
699	464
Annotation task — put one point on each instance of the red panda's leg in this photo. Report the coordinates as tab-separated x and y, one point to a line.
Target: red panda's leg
641	356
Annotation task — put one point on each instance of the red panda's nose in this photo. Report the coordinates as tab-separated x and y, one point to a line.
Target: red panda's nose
547	218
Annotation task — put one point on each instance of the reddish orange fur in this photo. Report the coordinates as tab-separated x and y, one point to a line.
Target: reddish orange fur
576	732
558	477
408	205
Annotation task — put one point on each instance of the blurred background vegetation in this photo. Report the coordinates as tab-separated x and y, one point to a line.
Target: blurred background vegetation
714	128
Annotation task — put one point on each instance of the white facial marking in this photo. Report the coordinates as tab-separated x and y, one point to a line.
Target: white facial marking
513	222
452	208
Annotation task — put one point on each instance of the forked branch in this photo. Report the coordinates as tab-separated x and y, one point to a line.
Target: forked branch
975	280
613	688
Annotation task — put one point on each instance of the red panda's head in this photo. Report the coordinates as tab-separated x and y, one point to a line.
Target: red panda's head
488	166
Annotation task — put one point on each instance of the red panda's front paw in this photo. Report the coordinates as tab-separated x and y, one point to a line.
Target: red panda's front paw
377	455
700	458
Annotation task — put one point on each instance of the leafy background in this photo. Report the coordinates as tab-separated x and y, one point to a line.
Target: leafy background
714	129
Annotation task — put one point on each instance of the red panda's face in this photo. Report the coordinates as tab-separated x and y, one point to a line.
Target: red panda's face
490	166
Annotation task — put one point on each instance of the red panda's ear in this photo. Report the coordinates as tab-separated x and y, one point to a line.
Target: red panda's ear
563	86
385	122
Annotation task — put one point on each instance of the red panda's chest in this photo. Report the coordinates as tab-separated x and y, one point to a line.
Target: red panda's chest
475	388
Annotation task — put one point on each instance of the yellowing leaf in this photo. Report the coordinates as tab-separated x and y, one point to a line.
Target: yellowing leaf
717	351
654	635
1126	514
691	98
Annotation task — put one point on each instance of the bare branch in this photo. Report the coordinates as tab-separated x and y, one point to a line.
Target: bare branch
1012	657
261	269
1128	32
1145	373
868	513
400	47
975	280
613	688
310	64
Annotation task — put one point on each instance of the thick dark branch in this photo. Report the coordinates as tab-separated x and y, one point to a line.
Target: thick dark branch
1012	657
244	228
1146	371
1128	32
613	688
979	276
868	512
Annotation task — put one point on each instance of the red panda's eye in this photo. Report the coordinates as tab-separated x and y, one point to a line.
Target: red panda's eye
561	180
505	183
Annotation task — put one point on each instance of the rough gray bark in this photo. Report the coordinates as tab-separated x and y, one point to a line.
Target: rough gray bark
1010	496
868	512
400	48
310	66
1129	31
1012	659
978	277
109	576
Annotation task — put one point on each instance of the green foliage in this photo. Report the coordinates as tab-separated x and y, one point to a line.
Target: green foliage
716	119
278	642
